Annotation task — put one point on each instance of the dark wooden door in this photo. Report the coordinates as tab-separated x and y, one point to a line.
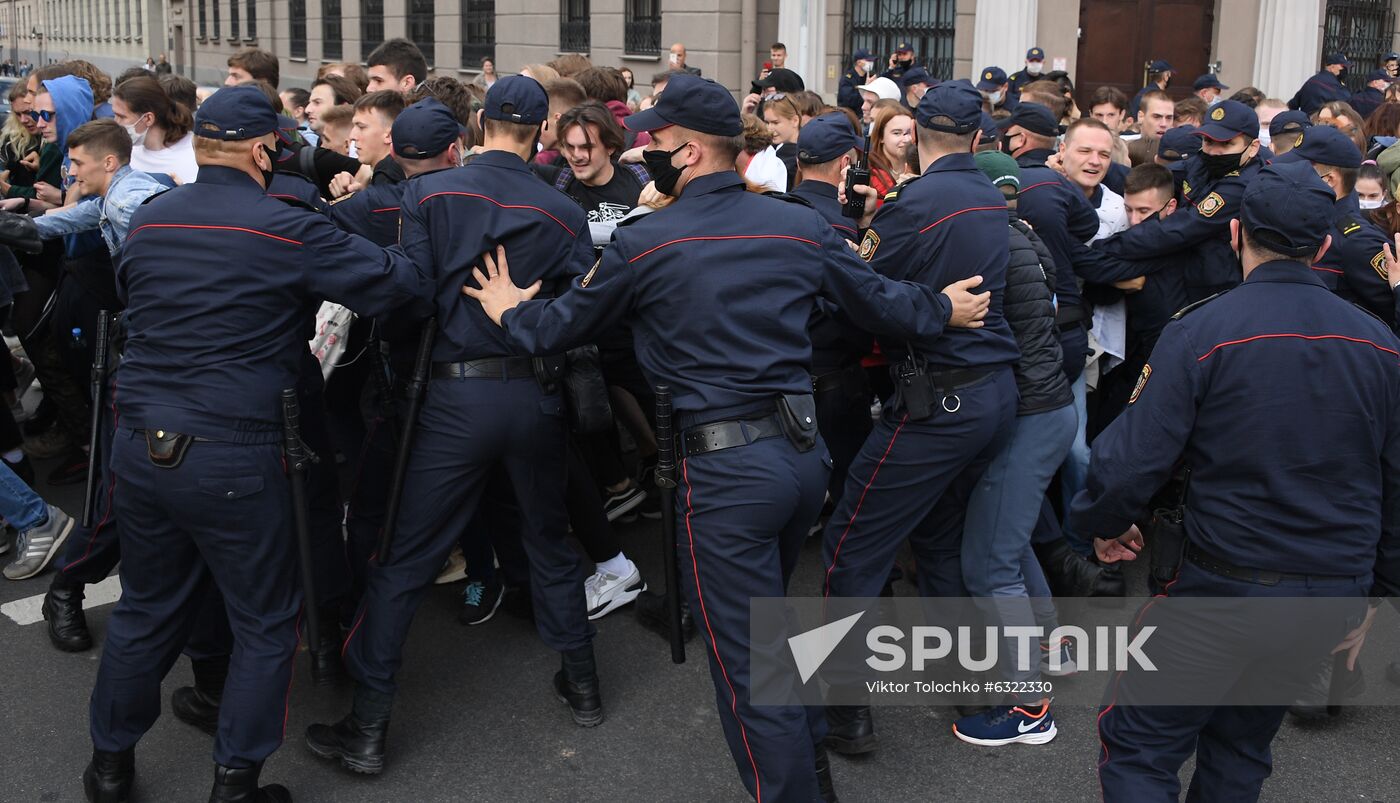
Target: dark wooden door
1118	37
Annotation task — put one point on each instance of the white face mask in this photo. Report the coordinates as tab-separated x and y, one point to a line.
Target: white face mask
1264	137
994	98
1376	204
675	59
867	66
137	137
1034	67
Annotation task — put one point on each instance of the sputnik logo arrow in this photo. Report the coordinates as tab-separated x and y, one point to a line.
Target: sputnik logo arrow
811	649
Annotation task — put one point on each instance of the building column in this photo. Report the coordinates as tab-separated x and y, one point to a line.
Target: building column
1002	32
802	27
1286	53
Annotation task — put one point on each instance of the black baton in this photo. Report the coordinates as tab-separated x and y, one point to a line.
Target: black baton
299	461
416	386
666	481
99	387
383	387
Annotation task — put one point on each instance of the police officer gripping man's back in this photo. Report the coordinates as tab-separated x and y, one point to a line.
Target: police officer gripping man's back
731	341
1283	400
200	492
487	413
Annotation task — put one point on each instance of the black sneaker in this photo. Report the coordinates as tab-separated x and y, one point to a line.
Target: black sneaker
480	600
618	504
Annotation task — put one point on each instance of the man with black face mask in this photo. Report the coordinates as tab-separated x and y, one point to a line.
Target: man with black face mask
1214	182
901	60
1324	87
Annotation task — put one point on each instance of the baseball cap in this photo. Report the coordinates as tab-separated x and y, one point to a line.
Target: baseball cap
1178	143
1033	117
903	47
1325	145
235	113
1035	54
1287	208
990	132
862	54
883	89
1229	119
1336	58
425	129
957	100
517	99
992	77
915	75
1208	80
691	102
1001	170
1379	75
1160	65
781	79
1285	122
825	138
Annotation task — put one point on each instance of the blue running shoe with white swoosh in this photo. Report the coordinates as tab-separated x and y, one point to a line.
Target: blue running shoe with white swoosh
1007	725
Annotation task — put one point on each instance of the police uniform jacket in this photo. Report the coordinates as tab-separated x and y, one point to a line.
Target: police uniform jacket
946	225
836	343
1061	216
1367	100
468	211
848	93
374	210
720	287
1318	91
1029	307
220	283
1354	265
1020	78
298	189
1200	227
1284	401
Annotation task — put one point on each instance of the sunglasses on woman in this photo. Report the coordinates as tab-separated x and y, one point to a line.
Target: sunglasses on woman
36	116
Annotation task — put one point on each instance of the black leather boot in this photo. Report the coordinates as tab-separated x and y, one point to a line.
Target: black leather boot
240	785
652	614
326	667
1068	574
577	685
824	784
107	778
357	741
850	729
63	609
198	705
1110	582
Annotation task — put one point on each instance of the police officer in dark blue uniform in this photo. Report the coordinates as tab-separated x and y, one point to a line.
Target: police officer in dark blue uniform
200	492
1277	508
912	478
1324	87
1213	184
1159	75
753	471
1354	267
486	411
848	92
901	60
1372	94
1035	67
842	388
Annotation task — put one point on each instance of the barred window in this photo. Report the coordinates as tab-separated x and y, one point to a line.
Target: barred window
641	28
478	22
251	20
296	12
371	26
420	28
331	48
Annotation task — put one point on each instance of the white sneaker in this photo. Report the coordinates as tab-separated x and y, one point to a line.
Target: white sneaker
454	570
605	592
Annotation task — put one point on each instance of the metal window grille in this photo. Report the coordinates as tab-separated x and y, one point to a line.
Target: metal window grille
250	19
203	24
478	22
296	16
420	28
371	26
233	19
642	28
573	26
927	25
331	45
1363	30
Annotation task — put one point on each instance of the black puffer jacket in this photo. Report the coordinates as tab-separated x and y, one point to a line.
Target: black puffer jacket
1029	307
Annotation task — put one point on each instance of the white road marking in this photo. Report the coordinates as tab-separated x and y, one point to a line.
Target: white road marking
28	611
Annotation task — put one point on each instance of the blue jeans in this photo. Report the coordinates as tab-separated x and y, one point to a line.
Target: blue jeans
997	560
1075	471
19	505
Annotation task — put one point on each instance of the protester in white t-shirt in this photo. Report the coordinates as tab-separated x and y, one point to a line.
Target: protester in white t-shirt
160	129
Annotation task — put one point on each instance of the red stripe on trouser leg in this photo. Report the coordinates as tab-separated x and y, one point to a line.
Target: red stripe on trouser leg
826	590
714	645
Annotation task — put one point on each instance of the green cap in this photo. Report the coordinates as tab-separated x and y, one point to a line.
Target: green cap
1001	170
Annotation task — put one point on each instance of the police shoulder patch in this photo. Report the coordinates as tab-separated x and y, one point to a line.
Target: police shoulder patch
1190	308
1141	383
588	277
1210	204
869	244
1378	265
347	196
1350	227
1186	187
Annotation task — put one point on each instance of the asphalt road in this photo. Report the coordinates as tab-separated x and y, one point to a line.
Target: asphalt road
476	720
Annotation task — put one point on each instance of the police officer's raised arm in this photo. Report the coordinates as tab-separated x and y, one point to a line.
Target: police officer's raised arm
353	271
1135	455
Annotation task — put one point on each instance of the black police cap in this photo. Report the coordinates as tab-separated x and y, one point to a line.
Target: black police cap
1179	143
1229	119
1324	145
235	113
690	101
1287	208
424	130
1289	121
826	138
517	99
1034	117
958	101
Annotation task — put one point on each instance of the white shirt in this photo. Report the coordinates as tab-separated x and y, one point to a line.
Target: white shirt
767	170
175	160
1110	327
